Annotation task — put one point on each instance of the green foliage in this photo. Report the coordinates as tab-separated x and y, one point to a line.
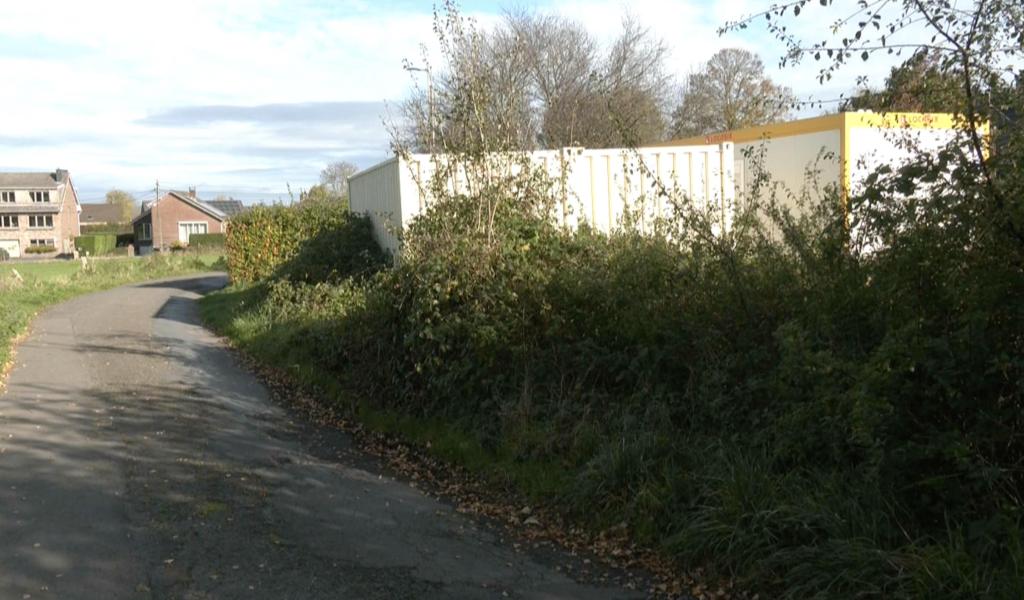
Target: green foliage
117	228
4	256
322	193
40	249
124	201
815	414
207	240
307	242
96	244
918	85
821	404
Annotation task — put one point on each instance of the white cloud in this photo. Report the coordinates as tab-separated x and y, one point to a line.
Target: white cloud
82	77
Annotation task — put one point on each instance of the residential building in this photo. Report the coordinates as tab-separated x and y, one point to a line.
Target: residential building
38	209
173	218
101	214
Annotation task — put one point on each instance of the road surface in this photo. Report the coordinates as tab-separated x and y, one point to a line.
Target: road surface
138	460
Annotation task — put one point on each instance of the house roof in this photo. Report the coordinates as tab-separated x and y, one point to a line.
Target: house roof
187	199
100	213
228	207
35	181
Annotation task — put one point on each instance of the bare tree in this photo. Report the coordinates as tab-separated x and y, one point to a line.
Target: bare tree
635	88
539	81
729	92
335	176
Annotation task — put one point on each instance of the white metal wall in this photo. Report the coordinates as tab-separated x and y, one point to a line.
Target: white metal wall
377	192
601	186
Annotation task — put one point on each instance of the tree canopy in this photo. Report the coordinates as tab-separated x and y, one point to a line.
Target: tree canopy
123	200
729	92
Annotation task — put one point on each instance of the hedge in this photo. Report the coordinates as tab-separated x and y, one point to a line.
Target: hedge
314	242
40	249
207	240
96	244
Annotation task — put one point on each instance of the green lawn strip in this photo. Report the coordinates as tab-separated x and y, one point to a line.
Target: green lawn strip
43	284
226	312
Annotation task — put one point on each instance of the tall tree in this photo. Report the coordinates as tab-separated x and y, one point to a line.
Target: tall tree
319	194
123	200
335	177
918	85
539	81
729	92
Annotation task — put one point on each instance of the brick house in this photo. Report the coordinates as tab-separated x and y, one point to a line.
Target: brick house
38	209
101	214
173	218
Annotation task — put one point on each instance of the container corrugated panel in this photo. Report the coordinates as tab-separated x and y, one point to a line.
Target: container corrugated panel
598	187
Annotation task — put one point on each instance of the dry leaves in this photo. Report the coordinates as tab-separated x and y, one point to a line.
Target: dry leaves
639	567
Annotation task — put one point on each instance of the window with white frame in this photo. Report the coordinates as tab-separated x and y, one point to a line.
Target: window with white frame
40	221
41	242
40	196
187	228
145	231
8	221
7	196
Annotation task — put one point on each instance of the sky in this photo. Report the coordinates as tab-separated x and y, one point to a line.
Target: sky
248	97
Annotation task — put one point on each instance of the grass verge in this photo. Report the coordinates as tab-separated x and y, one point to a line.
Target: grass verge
234	313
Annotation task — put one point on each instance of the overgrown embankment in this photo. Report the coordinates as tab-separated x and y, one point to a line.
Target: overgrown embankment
812	409
26	288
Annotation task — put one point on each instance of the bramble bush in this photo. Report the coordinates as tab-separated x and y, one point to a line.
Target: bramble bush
810	413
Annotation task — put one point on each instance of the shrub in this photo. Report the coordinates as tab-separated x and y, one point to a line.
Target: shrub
96	244
40	249
4	256
317	242
206	240
115	228
813	414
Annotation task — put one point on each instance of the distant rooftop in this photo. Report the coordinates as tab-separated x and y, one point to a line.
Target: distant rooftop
100	213
229	207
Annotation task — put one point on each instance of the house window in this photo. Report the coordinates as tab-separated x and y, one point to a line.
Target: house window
6	196
145	231
41	242
8	221
40	221
43	196
187	228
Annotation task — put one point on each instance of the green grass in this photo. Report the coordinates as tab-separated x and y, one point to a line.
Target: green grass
42	284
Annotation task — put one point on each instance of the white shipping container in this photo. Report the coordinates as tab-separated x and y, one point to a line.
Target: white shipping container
600	186
840	150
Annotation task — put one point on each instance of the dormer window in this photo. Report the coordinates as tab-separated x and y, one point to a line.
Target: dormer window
43	196
6	196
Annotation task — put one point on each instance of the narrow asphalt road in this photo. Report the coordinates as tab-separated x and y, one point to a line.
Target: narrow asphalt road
138	460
